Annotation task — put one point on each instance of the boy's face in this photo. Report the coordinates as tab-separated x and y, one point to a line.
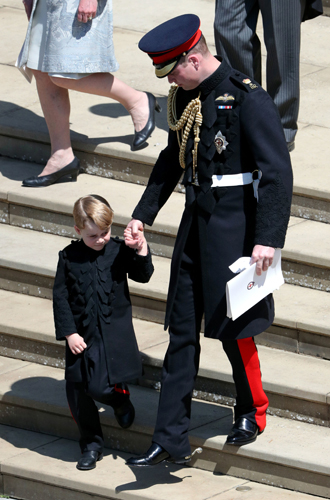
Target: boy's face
93	236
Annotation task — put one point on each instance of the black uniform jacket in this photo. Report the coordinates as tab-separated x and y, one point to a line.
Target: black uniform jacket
91	294
230	221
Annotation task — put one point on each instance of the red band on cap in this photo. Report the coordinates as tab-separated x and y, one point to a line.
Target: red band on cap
171	54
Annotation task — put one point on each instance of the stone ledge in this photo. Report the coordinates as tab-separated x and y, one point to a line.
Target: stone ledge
32	462
289	454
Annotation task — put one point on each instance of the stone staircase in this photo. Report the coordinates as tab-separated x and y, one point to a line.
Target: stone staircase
294	352
37	433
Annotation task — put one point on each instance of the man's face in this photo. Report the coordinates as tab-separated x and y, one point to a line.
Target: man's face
184	75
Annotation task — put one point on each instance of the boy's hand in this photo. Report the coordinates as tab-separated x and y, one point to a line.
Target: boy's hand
134	237
76	343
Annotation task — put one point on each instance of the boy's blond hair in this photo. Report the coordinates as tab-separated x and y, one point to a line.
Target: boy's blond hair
93	208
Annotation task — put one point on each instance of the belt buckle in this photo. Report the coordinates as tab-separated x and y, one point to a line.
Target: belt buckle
255	175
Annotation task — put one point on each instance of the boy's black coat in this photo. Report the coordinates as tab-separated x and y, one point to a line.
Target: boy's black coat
91	291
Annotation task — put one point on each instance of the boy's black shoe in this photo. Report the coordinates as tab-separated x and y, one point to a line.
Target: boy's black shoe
125	414
88	460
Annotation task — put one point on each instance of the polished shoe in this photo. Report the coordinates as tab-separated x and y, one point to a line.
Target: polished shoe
88	460
71	170
155	455
243	432
141	137
125	414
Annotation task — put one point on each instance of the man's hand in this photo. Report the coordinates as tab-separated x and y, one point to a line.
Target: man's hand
263	256
139	243
76	343
136	227
28	7
86	10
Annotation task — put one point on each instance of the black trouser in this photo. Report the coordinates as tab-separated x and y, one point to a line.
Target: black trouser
85	413
182	362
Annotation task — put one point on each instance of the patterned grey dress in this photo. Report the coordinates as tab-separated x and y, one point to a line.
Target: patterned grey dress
56	43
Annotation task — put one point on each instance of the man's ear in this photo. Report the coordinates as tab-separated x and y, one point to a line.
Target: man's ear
76	228
194	60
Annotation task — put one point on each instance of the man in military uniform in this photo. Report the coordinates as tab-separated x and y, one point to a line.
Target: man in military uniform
227	140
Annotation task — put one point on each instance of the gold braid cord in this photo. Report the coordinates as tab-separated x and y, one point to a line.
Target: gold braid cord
191	114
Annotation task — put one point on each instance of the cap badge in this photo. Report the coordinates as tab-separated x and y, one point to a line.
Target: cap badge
220	142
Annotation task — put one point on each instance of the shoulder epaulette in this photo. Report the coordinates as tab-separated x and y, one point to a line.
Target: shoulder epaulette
244	82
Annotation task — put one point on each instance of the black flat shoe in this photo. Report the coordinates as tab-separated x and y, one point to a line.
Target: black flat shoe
125	415
88	460
155	455
71	170
243	432
141	137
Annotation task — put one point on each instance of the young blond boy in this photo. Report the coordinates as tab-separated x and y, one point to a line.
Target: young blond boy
93	312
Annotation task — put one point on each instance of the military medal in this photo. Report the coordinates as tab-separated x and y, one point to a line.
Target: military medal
225	98
220	142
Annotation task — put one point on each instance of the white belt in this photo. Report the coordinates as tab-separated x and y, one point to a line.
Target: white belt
238	180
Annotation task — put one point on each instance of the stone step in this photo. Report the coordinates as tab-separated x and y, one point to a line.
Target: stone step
305	259
297	385
288	454
295	454
26	138
102	130
50	210
32	463
311	196
28	262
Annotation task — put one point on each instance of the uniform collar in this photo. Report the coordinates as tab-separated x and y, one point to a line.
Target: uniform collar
215	78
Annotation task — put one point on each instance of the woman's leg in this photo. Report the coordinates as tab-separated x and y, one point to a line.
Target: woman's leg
55	105
107	85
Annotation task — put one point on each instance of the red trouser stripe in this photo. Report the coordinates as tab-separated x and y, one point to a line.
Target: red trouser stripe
121	390
251	363
72	414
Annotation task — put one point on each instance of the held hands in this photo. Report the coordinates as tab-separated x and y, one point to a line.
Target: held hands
86	10
134	237
263	256
28	7
76	343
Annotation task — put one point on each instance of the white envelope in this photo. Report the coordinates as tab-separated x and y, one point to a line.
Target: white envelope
247	289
